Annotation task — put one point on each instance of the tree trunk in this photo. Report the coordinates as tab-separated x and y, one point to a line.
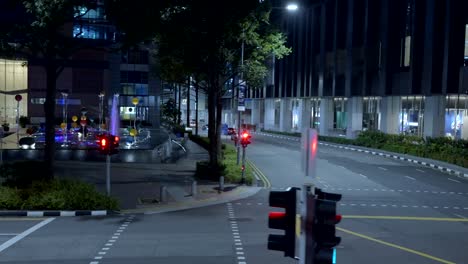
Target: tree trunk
212	127
196	109
49	109
188	102
219	109
179	113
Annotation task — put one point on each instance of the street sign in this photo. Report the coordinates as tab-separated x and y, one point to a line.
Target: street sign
241	98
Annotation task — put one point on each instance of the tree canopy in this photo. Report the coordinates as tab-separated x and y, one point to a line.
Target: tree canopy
203	39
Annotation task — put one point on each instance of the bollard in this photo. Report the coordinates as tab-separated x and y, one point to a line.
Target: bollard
163	194
194	188
255	180
221	184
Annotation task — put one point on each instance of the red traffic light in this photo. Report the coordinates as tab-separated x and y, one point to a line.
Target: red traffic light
103	142
338	218
276	215
245	135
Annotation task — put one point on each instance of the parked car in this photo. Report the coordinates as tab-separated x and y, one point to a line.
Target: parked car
231	131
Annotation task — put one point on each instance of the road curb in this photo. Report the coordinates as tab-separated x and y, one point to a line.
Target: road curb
57	213
374	152
241	193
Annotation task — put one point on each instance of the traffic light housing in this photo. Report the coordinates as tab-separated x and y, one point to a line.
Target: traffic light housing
245	139
323	226
283	220
108	144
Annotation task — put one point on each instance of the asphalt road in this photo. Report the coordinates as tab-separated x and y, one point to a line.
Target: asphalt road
374	186
394	212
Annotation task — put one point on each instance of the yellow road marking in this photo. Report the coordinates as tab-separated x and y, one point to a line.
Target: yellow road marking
260	174
6	218
414	218
395	246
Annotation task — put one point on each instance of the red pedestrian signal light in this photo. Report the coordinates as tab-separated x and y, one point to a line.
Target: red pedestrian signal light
245	139
108	144
103	142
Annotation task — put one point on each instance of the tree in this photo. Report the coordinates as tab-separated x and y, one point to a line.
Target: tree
42	35
203	39
169	112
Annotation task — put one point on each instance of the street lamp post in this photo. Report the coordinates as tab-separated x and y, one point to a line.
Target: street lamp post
290	7
18	98
238	97
101	109
64	114
135	102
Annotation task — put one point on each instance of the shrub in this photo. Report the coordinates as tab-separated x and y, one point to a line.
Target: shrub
205	171
227	166
9	198
23	121
62	195
21	174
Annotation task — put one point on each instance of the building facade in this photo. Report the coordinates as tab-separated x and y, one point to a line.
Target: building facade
398	66
89	80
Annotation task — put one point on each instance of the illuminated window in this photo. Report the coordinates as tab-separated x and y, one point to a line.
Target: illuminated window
405	58
407	47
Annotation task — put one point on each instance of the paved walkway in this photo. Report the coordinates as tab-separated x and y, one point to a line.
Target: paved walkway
138	186
11	141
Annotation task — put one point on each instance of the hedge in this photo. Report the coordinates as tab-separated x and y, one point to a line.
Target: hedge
227	167
23	188
440	148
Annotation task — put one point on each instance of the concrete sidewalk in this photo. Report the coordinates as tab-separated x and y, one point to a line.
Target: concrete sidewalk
137	186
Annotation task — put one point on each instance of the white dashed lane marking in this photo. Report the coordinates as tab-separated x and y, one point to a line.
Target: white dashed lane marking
113	239
411	178
240	257
453	180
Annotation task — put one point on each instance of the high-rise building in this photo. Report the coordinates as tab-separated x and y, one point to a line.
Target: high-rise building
93	71
399	66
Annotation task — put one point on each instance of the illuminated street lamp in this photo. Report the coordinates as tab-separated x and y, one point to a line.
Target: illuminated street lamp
292	7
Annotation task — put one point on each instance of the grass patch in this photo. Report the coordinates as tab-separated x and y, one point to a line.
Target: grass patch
228	168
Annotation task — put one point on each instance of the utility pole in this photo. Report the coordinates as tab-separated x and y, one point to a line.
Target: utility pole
241	81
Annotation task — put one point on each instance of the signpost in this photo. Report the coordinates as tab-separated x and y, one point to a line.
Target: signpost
309	145
241	101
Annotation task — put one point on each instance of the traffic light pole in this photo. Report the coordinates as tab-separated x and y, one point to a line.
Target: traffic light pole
243	165
305	239
108	187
